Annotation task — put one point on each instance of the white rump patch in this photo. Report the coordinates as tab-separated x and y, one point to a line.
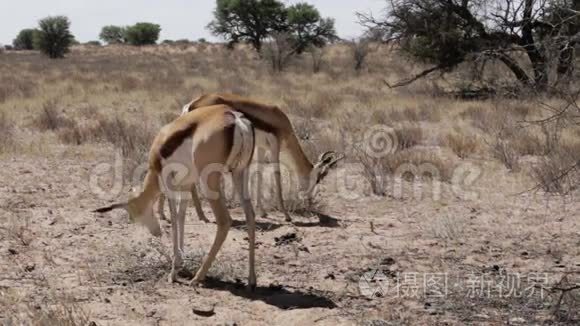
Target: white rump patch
243	145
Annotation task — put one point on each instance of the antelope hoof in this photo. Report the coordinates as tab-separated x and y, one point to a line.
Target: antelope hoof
172	277
287	218
261	212
195	282
251	287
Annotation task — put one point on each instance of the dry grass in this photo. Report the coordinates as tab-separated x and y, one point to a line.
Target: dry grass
462	145
117	97
553	173
56	310
408	136
50	118
8	141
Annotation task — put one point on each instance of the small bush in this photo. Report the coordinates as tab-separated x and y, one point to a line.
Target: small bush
73	135
503	150
112	34
462	145
558	172
7	141
279	51
131	139
51	119
25	39
142	34
54	37
411	165
93	43
408	137
360	49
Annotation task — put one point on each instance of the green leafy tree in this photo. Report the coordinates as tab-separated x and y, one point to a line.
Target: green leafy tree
54	37
248	20
25	39
142	34
308	28
112	34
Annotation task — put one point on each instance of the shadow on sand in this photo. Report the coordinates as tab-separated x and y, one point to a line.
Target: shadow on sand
276	296
323	221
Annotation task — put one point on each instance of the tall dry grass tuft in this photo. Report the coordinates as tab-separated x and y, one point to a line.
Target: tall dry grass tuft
132	139
8	138
559	171
408	136
54	310
462	145
413	164
50	118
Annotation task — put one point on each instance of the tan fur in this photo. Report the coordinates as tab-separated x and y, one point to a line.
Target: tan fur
210	132
268	118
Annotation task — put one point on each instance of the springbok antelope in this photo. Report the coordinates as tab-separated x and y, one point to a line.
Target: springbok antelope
274	133
197	148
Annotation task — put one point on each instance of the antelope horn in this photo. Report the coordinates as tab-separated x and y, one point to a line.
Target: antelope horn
324	156
110	208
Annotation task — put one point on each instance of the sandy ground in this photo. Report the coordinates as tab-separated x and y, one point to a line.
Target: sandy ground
443	261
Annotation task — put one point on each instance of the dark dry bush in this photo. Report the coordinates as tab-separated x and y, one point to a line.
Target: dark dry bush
50	118
558	172
7	139
408	137
462	145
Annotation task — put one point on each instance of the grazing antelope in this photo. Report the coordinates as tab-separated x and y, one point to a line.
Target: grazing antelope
197	148
274	133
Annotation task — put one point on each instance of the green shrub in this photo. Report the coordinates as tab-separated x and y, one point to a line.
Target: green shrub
113	34
142	33
25	39
54	37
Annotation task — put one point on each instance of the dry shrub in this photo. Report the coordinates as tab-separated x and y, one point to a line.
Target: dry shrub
503	150
526	142
17	85
55	309
306	206
408	136
427	164
558	171
319	105
317	58
127	83
422	112
8	138
486	118
130	138
73	135
462	145
51	119
411	165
